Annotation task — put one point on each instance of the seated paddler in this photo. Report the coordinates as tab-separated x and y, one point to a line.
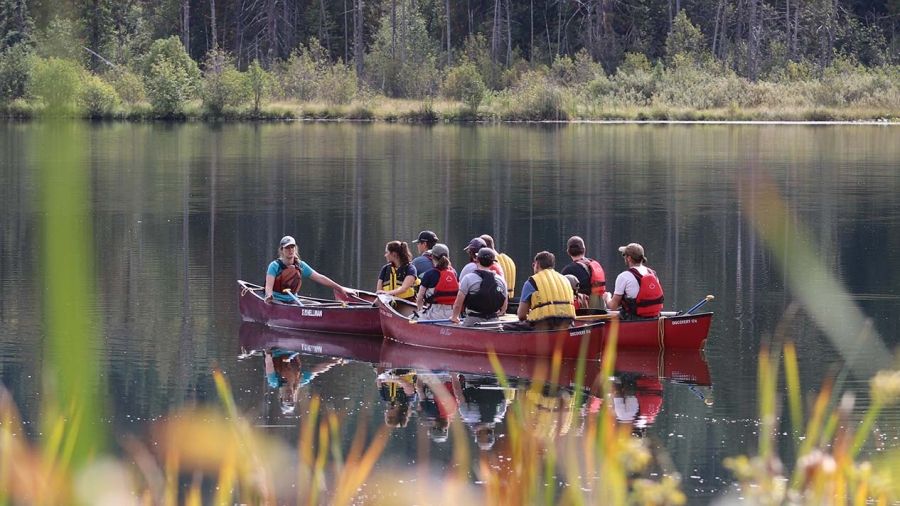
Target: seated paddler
287	272
437	292
482	292
546	301
398	277
638	292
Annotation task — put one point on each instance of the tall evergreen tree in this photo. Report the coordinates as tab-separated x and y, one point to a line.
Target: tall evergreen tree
16	24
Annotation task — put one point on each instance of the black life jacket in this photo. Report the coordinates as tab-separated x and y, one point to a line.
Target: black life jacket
289	277
487	301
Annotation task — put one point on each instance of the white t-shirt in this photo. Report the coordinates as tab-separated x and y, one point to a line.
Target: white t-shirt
627	285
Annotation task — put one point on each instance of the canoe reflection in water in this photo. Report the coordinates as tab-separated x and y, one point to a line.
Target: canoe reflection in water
293	359
445	379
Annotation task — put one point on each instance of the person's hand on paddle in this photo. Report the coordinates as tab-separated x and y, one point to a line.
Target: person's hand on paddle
268	299
454	319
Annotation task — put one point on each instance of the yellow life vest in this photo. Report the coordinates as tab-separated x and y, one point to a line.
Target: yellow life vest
509	272
393	283
553	297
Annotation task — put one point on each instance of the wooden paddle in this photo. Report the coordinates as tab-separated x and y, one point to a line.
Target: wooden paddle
699	304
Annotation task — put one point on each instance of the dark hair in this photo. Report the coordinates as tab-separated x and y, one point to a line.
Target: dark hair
545	260
441	262
401	249
575	246
488	240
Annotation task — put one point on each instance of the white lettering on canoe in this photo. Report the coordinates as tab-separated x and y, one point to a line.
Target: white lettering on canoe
446	332
580	332
684	322
311	348
311	312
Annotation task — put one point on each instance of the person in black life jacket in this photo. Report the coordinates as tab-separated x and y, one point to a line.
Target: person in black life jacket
590	274
398	277
287	272
482	292
546	301
426	240
638	291
439	286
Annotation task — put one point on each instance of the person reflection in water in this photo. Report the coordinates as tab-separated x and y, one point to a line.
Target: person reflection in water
637	400
397	388
285	373
482	405
437	404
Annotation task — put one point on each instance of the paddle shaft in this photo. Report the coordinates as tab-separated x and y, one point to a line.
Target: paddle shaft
700	304
293	296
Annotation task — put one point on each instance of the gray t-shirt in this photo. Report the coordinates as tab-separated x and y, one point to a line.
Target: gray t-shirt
471	282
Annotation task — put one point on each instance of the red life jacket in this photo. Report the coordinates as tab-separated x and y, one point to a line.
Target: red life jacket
495	267
446	289
595	271
649	300
289	277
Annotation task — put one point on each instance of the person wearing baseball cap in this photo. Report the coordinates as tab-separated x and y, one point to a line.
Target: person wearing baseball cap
287	272
482	292
638	292
476	244
507	265
439	286
426	240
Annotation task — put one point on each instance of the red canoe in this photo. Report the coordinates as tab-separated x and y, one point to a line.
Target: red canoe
255	336
322	315
681	332
681	366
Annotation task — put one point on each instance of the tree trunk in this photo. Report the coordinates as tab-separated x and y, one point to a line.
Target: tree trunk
508	36
323	33
346	36
447	11
271	32
715	37
393	28
495	27
531	47
186	25
358	50
753	42
212	22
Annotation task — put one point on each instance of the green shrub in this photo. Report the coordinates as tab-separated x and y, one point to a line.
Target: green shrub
337	84
581	70
404	65
169	88
685	39
536	98
98	98
302	71
128	85
223	85
259	83
171	50
60	40
15	72
464	83
58	84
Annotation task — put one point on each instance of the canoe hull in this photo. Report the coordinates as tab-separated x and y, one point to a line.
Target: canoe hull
360	318
687	332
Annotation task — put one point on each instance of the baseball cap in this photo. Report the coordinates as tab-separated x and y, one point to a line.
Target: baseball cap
287	241
440	250
475	244
426	236
634	250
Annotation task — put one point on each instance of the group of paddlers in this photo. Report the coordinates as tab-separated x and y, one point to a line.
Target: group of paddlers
485	286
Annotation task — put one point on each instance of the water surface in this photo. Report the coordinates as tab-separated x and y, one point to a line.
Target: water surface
179	212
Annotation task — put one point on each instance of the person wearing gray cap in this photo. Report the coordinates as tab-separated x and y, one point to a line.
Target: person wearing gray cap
482	292
439	286
638	290
472	249
287	272
426	240
507	265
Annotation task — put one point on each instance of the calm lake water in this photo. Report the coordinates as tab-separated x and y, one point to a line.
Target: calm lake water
177	213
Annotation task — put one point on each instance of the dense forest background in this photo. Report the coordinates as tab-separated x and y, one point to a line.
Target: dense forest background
619	53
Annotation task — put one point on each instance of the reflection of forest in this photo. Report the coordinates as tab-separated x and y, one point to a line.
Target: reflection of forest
181	211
